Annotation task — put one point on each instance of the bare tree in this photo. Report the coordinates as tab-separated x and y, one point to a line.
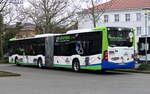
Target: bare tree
92	9
10	10
3	4
8	13
48	15
13	14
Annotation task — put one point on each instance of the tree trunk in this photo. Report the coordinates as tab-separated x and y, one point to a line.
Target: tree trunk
94	21
1	33
93	14
1	46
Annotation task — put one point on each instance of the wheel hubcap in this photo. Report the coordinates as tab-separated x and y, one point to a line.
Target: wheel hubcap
76	67
40	64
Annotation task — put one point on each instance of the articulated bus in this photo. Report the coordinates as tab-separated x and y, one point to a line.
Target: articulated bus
92	49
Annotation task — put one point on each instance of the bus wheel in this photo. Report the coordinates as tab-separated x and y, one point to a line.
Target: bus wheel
40	63
76	65
16	61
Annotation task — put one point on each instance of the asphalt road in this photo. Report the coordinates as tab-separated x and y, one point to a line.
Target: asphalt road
59	81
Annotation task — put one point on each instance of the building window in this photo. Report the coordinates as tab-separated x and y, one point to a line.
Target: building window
138	16
116	17
127	17
148	16
148	29
106	18
139	29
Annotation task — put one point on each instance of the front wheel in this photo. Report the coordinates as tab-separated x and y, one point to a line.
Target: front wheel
76	65
17	62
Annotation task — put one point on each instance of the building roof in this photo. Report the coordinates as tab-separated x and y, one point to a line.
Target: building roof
123	4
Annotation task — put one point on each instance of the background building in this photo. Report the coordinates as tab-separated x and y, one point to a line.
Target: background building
122	13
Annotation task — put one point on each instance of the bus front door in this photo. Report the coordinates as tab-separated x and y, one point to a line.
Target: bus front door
25	58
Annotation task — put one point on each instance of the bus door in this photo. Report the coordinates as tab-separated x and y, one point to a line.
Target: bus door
22	58
25	57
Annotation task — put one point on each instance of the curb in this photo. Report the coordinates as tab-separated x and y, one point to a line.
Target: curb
134	71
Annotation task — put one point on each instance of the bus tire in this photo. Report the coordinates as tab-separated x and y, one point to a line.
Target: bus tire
76	65
16	61
40	63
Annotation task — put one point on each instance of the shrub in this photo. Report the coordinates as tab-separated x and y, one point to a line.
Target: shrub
144	67
3	61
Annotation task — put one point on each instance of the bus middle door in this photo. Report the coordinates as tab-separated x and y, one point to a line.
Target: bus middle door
25	57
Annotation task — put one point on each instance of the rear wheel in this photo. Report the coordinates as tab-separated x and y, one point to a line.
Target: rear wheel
40	63
76	65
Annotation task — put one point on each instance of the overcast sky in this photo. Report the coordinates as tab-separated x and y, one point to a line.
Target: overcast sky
26	4
77	2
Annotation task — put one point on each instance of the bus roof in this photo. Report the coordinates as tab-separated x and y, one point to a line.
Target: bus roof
78	31
37	36
73	32
45	35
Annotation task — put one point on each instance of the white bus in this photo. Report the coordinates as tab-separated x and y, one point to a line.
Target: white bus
93	49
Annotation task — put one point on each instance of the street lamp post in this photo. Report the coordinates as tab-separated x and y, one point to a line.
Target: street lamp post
146	33
146	37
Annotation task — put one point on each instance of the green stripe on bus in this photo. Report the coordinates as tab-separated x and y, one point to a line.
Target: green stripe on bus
134	40
12	39
105	41
63	66
96	67
27	63
104	38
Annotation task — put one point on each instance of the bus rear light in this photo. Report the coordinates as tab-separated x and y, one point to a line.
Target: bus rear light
106	55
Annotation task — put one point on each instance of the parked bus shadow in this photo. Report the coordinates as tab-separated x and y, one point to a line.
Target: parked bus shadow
97	72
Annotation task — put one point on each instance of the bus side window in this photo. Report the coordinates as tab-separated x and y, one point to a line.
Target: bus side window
147	47
86	47
143	46
79	47
60	49
40	49
20	50
31	50
72	48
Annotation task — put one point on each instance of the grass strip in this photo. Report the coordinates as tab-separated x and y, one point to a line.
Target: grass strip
4	61
7	74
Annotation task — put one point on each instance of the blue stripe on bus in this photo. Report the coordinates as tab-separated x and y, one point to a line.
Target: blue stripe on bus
112	65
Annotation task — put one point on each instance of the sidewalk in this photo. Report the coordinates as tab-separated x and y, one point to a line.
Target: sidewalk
133	70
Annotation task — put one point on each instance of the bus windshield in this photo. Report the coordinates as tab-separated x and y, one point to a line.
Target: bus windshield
120	38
